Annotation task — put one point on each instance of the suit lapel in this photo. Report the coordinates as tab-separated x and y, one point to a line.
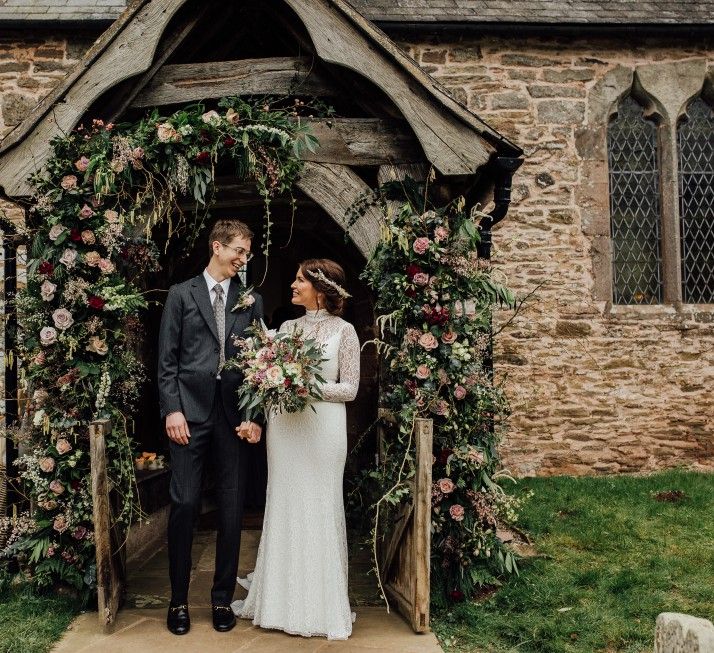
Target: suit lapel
199	291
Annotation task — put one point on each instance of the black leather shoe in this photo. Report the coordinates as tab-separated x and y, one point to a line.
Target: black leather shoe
223	618
177	619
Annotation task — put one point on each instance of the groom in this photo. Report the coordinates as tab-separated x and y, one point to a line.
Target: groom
198	401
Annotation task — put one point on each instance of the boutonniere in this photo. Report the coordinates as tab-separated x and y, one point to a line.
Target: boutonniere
246	300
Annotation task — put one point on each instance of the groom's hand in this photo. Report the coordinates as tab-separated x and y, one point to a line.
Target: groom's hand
250	431
177	428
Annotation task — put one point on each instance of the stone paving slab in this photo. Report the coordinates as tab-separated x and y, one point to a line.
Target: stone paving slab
141	626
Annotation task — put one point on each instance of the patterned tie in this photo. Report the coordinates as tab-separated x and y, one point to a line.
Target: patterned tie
219	312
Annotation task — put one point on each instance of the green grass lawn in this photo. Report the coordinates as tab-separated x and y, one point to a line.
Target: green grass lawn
611	558
32	624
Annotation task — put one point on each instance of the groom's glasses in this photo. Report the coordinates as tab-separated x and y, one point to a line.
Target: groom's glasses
243	253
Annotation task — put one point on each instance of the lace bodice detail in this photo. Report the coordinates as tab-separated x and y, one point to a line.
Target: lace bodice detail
342	350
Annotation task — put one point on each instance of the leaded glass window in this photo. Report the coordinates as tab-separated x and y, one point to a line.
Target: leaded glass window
634	206
695	140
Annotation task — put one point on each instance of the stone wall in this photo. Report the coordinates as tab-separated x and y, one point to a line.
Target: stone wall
595	388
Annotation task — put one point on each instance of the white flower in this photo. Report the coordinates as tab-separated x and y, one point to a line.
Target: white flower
38	417
56	231
47	290
69	257
274	375
62	318
211	117
48	335
246	300
185	130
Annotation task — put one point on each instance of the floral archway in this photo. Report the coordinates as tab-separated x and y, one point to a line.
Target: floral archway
99	198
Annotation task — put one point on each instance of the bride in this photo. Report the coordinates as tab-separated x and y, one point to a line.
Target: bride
300	579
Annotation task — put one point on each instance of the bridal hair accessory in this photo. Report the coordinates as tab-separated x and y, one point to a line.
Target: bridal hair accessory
333	284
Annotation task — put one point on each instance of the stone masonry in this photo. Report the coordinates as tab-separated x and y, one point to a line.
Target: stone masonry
595	388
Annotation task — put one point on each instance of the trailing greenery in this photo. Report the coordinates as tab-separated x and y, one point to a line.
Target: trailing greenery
98	200
612	553
434	304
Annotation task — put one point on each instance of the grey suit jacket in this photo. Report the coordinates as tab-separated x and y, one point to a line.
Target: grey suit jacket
188	350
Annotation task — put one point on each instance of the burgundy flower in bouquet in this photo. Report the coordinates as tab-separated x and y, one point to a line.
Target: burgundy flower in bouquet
46	268
203	158
96	302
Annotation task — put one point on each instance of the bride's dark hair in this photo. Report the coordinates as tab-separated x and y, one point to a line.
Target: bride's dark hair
334	302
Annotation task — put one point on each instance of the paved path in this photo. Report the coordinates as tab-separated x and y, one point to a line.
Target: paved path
141	625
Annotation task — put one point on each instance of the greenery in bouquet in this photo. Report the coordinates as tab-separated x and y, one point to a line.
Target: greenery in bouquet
281	371
90	246
434	303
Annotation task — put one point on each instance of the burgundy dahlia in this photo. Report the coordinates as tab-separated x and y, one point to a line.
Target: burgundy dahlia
203	158
95	302
46	267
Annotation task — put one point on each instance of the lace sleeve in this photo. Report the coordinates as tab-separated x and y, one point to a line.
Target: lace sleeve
346	388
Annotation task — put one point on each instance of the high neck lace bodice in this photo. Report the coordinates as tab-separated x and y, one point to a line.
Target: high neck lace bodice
311	317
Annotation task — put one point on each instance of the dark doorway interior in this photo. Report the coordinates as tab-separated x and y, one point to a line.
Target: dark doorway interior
307	233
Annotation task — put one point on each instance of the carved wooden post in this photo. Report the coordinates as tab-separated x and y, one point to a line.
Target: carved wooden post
109	576
407	557
422	523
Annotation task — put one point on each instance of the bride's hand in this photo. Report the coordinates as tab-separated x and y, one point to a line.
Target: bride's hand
250	431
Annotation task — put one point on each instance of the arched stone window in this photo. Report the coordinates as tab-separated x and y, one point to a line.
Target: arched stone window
695	148
635	211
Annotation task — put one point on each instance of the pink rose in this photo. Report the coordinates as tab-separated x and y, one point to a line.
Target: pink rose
105	266
428	341
421	279
62	318
443	377
47	464
88	237
60	524
68	258
446	485
274	375
412	336
86	212
56	231
48	504
111	216
448	337
137	153
63	446
421	245
441	233
47	290
69	182
476	456
457	512
441	407
82	164
56	487
48	336
97	346
459	392
79	533
165	132
423	372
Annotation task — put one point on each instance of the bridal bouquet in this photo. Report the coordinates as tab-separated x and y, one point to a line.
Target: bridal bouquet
281	370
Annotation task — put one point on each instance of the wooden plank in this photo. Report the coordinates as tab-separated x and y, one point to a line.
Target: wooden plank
181	83
168	47
336	188
400	523
452	139
109	577
129	54
422	524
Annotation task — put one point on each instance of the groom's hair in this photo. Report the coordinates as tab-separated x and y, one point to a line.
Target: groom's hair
225	230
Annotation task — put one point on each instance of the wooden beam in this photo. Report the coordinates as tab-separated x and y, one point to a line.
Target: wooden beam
452	137
336	188
181	83
169	46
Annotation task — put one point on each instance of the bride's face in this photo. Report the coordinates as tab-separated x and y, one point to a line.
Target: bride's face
304	293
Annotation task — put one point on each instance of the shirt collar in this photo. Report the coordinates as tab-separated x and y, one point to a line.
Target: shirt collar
210	282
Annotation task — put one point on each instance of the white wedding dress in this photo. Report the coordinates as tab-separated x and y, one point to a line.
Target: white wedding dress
300	579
